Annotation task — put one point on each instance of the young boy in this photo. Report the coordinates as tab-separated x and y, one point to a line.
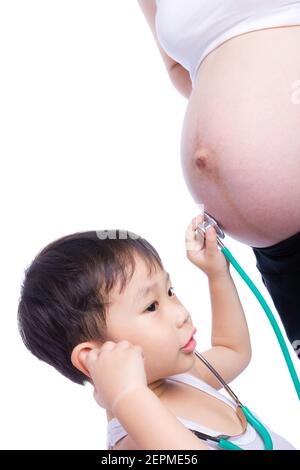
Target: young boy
99	307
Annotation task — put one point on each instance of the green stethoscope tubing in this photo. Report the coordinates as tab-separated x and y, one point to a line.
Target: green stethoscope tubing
260	428
222	441
270	316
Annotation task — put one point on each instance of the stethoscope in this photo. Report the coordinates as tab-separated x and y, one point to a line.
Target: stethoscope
243	412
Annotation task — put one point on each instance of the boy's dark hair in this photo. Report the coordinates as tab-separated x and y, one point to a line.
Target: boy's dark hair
64	295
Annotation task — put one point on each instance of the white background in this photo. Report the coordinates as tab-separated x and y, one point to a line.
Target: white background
90	140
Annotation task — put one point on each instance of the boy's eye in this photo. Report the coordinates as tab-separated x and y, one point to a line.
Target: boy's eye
150	308
172	288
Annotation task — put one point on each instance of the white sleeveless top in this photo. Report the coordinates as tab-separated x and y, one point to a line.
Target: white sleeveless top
250	440
189	29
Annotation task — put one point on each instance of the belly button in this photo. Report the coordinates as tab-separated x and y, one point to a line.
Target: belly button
203	162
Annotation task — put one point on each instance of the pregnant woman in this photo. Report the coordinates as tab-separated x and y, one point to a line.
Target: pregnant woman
238	63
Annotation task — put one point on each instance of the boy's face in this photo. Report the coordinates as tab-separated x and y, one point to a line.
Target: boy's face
156	321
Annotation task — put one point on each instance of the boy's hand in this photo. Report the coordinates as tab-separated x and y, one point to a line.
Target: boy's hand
205	256
115	369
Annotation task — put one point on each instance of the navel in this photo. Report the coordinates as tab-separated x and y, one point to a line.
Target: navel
205	163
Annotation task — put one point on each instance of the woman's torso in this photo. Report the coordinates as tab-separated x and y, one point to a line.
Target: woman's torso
240	143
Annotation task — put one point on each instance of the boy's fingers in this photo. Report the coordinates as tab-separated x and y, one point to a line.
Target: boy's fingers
210	240
191	231
88	357
194	237
196	221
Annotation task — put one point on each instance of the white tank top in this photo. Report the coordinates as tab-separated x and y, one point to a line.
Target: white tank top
250	440
189	29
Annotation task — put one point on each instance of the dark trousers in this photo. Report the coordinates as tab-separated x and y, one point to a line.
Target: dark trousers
279	266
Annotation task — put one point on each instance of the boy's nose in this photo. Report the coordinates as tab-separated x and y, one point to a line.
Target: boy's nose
183	316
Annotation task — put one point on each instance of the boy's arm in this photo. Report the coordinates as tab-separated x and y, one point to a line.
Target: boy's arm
231	347
151	425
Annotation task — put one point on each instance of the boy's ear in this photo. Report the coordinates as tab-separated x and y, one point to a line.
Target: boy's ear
79	354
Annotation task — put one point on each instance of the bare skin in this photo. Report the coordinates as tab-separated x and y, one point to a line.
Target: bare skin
196	405
160	331
240	145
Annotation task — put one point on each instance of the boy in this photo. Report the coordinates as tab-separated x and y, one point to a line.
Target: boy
97	308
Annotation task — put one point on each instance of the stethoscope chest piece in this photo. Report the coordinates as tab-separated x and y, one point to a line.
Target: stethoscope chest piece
207	222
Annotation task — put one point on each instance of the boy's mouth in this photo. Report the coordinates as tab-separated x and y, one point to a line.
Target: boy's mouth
190	338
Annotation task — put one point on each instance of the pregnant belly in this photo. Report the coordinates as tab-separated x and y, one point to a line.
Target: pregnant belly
240	142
